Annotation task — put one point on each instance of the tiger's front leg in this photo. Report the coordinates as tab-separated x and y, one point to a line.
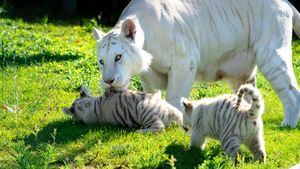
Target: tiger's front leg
180	79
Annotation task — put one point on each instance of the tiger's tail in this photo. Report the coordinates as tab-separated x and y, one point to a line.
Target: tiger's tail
257	104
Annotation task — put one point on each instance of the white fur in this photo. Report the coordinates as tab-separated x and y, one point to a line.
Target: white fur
206	41
134	59
228	120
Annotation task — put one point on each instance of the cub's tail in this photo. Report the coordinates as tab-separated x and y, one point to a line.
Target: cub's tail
257	104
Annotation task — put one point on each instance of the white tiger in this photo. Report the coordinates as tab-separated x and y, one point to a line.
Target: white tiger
230	119
131	109
172	43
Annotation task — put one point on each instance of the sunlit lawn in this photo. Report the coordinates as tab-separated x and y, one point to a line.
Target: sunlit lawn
42	68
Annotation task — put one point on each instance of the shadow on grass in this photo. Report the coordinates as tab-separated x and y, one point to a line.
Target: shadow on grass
70	131
15	60
185	157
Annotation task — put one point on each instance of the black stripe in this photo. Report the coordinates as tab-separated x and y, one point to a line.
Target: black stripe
235	147
226	144
135	123
212	129
229	122
120	98
143	115
128	112
133	97
105	97
123	107
124	103
120	116
162	114
231	139
199	118
225	112
95	111
149	122
145	109
225	138
100	100
216	124
136	103
222	105
148	112
116	120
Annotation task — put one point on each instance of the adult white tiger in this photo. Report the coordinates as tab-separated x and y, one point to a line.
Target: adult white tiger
202	40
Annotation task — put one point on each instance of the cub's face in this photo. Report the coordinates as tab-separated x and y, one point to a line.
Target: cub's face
187	113
81	108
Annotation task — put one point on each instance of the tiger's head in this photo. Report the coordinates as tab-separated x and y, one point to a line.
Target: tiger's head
120	54
82	109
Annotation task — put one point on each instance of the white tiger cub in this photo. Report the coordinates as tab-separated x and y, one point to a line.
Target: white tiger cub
148	112
230	119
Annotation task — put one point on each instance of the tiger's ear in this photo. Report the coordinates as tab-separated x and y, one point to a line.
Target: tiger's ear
98	34
187	105
67	111
128	29
157	94
84	91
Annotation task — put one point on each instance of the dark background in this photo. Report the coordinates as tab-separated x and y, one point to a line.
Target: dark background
104	11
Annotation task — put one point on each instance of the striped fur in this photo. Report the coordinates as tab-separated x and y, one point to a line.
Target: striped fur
147	112
204	40
229	118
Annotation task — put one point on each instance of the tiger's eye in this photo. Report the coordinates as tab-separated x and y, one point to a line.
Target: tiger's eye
118	57
101	61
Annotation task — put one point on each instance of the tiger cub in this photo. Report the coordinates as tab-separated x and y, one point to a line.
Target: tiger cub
229	118
148	112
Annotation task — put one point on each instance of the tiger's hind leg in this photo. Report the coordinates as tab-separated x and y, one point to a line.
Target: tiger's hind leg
156	126
274	59
278	70
257	148
231	145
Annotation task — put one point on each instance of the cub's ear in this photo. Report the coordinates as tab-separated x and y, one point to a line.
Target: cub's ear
157	94
67	111
84	91
98	34
187	105
128	29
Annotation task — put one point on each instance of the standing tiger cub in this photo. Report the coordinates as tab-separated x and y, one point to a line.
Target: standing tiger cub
229	118
126	108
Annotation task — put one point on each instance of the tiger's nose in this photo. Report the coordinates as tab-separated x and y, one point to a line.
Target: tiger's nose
109	81
185	129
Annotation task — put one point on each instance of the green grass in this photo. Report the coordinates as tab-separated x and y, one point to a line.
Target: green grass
42	68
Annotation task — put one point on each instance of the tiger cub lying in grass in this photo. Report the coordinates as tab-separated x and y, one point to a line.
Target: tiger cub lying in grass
229	118
126	108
